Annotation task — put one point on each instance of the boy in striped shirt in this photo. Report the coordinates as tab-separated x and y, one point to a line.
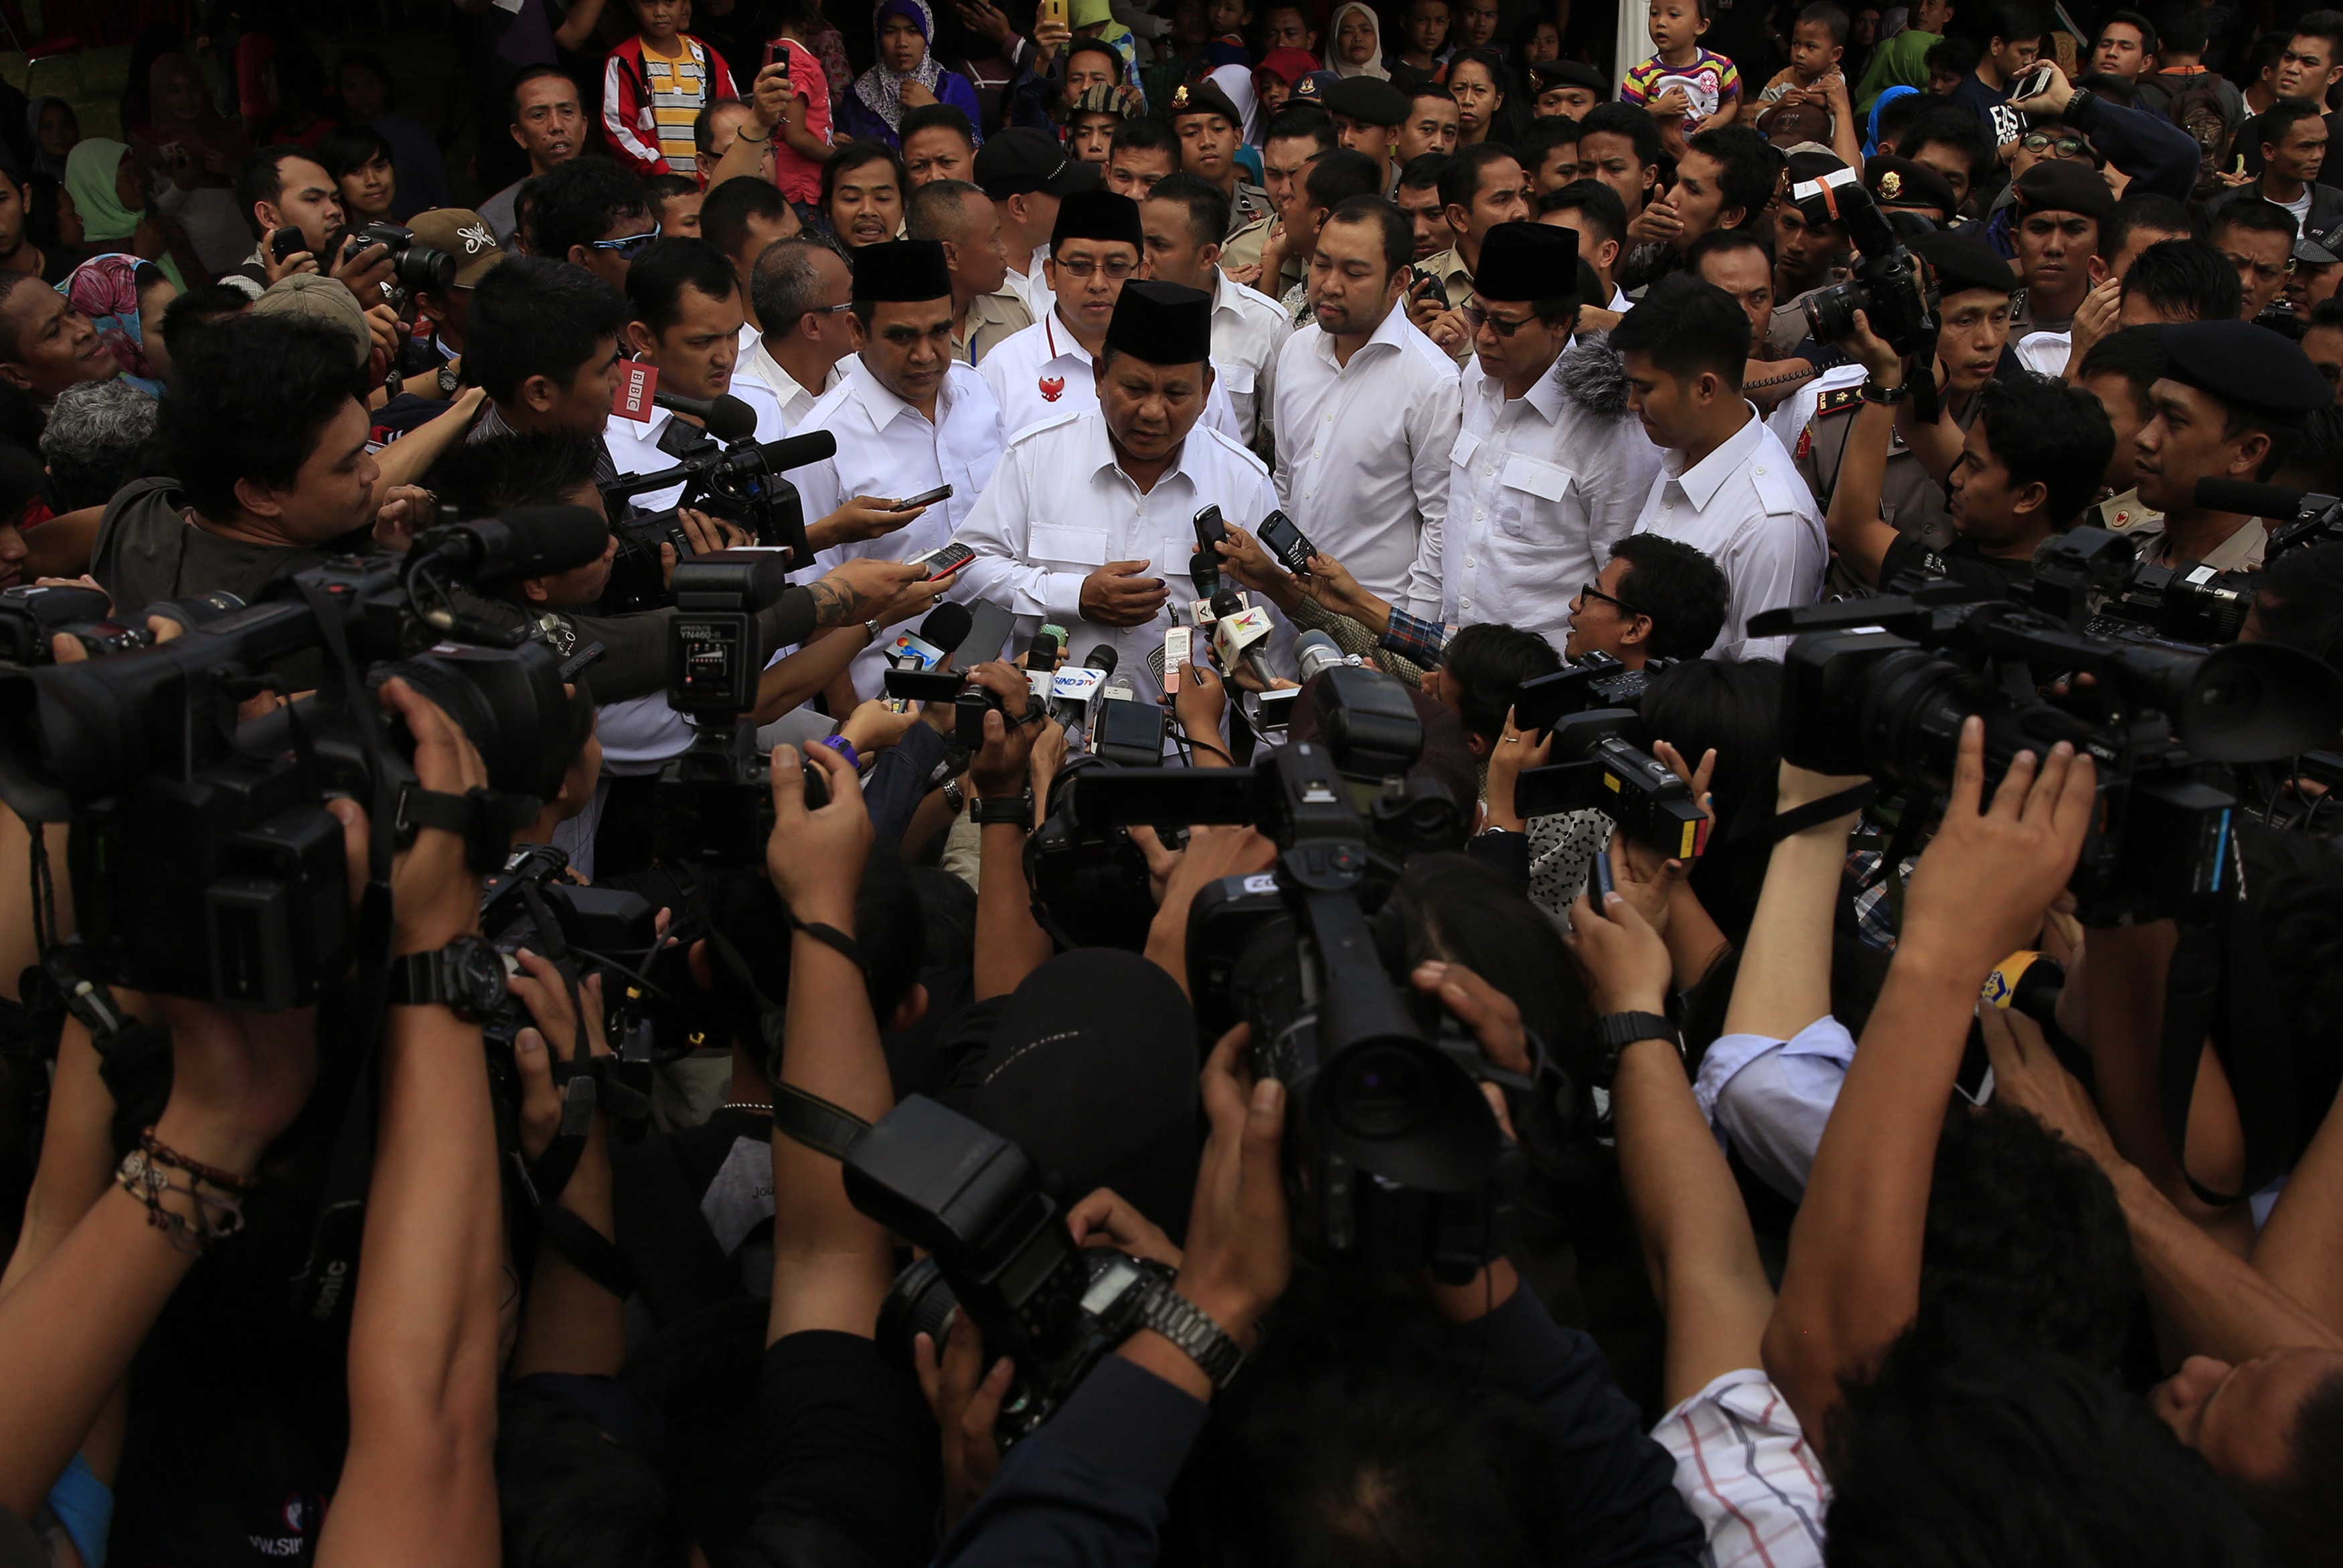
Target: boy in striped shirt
653	87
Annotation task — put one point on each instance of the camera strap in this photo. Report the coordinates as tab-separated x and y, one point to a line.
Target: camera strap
486	819
810	1119
2220	988
1798	818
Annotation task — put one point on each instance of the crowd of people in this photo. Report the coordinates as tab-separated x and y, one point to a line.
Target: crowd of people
1315	397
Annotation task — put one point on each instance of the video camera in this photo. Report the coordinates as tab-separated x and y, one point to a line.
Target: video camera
1602	761
2310	518
30	615
1893	289
2093	579
739	481
1882	687
204	862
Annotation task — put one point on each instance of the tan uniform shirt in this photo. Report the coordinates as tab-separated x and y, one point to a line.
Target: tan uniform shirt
1909	498
990	317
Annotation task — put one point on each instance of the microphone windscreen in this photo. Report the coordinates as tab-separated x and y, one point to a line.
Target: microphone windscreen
1225	603
729	420
536	541
796	451
1043	652
947	626
1204	571
1103	657
2221	495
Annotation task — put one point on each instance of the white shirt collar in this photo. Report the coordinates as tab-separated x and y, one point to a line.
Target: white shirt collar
884	407
785	387
1386	334
1701	482
1545	394
1103	459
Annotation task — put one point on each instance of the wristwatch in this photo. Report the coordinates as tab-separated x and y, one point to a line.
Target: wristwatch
466	977
870	629
955	797
1615	1033
1001	810
1886	397
1189	1327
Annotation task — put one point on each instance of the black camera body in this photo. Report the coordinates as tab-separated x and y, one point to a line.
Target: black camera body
412	267
1597	680
741	482
1604	765
1895	293
2093	579
999	1250
32	614
204	862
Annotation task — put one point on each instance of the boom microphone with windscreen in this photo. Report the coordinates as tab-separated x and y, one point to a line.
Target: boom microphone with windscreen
727	419
524	542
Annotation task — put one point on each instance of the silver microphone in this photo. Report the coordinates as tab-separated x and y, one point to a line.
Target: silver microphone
1315	652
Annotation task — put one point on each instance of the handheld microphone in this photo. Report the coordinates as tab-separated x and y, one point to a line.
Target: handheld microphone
1075	694
521	542
727	419
1042	654
947	626
1204	571
1316	652
1236	632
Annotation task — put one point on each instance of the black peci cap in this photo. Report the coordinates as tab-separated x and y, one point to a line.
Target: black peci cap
1368	99
902	270
1962	262
1161	322
1021	160
1528	261
2241	363
1098	215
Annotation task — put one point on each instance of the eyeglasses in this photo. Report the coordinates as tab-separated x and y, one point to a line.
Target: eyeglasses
626	247
2064	147
1590	591
1475	314
825	310
1116	270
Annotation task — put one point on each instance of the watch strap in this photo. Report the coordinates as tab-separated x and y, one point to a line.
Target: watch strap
1001	810
1189	1327
435	979
1886	396
1615	1033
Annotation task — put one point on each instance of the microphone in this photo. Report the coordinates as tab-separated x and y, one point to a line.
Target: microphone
947	626
1236	631
794	451
521	542
1074	693
2274	501
727	419
1316	653
1042	654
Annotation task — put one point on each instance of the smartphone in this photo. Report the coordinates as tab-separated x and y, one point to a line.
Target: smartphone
1424	288
1053	11
777	55
923	685
939	493
2033	82
1280	536
990	625
1210	530
289	242
942	563
1177	641
1605	884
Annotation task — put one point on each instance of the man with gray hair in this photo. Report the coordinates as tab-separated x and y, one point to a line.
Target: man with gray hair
960	217
799	290
96	441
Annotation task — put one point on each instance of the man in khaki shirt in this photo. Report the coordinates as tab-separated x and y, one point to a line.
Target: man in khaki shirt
1481	187
985	308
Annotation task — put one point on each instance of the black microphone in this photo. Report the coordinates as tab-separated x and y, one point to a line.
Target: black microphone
1042	654
1204	571
1225	602
947	626
2254	501
521	542
796	451
727	419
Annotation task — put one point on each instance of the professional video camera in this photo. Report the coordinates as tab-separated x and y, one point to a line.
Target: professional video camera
2093	579
2310	518
1893	289
1597	680
1882	686
1601	757
1392	1158
999	1249
738	480
203	859
30	616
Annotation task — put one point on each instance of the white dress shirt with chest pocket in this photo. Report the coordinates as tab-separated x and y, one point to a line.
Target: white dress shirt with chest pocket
1362	453
1059	506
1042	372
1248	329
1539	486
1745	507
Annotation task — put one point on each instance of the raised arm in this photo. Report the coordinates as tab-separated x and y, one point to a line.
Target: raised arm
1857	532
1009	943
1786	968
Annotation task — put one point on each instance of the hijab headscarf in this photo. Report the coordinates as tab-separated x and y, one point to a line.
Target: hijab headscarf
104	288
1288	65
882	88
1871	138
1341	67
1236	81
89	176
45	161
1096	14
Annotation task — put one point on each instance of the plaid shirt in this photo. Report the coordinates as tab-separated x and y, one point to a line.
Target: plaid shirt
1415	638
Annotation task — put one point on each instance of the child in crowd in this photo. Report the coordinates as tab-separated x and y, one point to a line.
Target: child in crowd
1813	78
1687	87
1950	64
675	203
653	87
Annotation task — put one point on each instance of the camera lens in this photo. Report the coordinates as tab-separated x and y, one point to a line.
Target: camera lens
1830	312
919	1301
1379	1092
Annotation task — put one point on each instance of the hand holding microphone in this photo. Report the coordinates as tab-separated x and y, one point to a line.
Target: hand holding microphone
1237	635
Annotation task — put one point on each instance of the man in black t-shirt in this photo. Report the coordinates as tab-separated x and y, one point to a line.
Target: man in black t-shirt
2028	464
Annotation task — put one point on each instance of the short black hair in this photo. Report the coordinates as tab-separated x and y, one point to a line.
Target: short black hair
2013	23
1146	133
250	401
1424	89
1628	120
1399	232
1100	46
852	156
664	188
725	212
1896	116
185	318
929	116
1460	182
578	202
1540	137
2135	354
2254	215
1684	592
785	284
1296	121
703	124
366	60
1421	172
2282	117
2326	25
1751	166
2043	429
1335	177
1955	56
1597	205
534	73
1946	124
531	316
260	178
2186	32
2187	279
1832	17
1685	326
1207	203
670	264
2140	210
935	210
1724	241
1489	662
568	1492
526	469
346	149
2146	28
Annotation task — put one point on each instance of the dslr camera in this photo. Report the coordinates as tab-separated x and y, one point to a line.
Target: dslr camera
739	482
412	267
1894	291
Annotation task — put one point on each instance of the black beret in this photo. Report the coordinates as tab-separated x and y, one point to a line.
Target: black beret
1901	182
1528	261
2064	184
1204	98
901	269
1161	322
1098	215
1555	73
1369	99
2241	363
1021	160
1962	262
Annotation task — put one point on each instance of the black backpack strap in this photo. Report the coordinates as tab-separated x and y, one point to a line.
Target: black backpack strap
677	1266
2220	988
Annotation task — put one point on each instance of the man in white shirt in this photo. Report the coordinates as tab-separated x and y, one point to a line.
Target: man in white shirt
1050	368
1725	486
907	419
1548	466
801	290
1027	174
1092	513
1183	218
1366	410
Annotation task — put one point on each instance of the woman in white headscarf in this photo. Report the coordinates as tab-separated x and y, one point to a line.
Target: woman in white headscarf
1236	81
1356	28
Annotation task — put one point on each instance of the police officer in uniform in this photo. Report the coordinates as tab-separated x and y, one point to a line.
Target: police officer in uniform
1249	211
1974	311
